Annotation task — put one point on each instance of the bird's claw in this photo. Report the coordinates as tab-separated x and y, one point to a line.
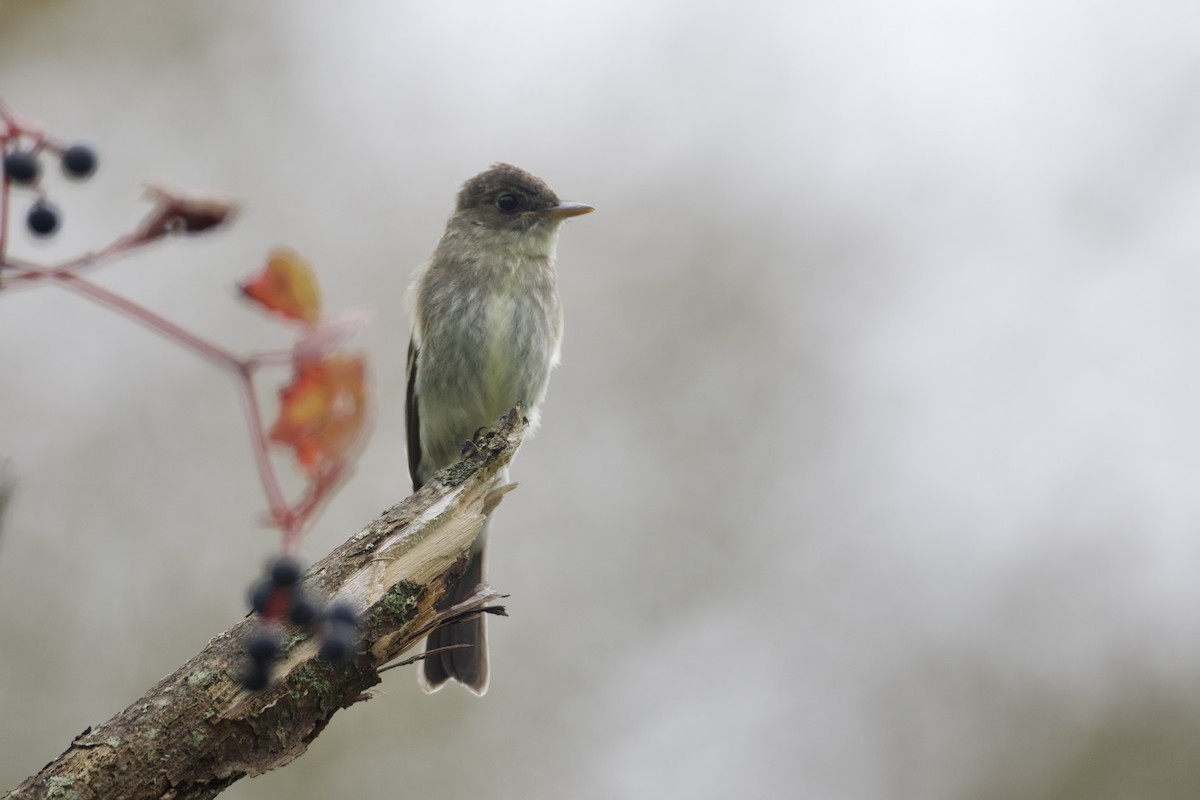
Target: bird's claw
514	415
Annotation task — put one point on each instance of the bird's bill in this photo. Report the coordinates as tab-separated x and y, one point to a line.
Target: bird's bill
564	210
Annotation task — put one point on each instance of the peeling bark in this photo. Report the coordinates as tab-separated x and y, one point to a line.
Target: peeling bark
198	731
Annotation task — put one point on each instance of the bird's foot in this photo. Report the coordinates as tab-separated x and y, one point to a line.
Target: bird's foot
514	415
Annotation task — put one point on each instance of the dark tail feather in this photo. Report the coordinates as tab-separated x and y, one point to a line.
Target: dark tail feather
467	665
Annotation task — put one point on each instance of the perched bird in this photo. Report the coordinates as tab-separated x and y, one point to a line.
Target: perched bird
487	325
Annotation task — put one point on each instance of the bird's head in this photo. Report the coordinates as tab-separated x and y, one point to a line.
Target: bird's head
506	198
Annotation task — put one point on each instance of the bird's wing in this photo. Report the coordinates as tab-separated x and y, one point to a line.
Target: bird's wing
412	421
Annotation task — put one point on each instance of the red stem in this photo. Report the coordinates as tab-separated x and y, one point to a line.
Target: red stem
280	512
32	273
290	520
266	472
207	350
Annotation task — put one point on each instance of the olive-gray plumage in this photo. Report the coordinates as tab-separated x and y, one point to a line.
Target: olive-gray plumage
487	325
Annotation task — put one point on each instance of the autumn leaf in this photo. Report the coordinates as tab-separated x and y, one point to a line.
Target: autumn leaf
323	411
175	212
287	286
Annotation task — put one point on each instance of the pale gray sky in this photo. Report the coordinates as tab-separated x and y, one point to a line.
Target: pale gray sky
871	467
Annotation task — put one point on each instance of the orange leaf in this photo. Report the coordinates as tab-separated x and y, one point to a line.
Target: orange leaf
287	286
323	411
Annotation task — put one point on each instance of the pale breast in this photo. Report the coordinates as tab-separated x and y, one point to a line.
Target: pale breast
482	351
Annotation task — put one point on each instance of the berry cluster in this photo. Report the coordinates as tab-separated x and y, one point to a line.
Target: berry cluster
279	598
21	167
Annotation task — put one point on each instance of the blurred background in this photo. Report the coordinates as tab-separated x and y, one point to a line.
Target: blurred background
871	468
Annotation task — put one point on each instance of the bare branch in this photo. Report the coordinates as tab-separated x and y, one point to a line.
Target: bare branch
198	731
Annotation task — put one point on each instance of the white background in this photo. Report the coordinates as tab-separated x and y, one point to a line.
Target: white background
871	469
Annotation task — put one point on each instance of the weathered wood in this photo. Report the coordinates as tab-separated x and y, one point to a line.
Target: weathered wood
197	731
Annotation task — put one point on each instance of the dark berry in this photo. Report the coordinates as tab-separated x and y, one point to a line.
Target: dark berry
78	161
343	612
263	648
260	596
285	572
257	677
303	611
21	167
335	647
42	219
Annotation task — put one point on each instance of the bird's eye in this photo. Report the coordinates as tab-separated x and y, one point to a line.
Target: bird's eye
507	203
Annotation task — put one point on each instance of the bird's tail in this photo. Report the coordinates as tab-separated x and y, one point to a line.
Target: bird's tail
463	655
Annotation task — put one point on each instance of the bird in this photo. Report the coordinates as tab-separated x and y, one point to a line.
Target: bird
487	331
